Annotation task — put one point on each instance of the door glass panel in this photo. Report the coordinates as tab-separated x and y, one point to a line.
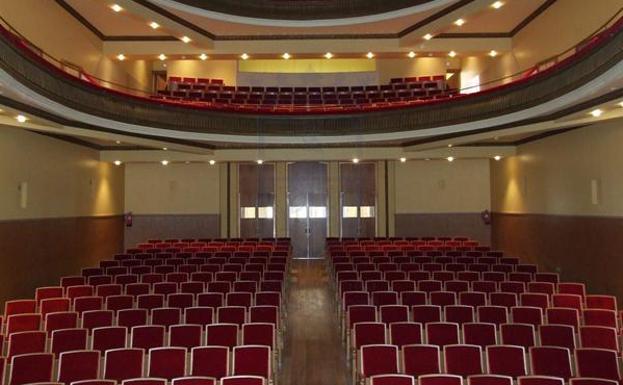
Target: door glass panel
317	211
366	211
298	212
247	212
265	212
349	212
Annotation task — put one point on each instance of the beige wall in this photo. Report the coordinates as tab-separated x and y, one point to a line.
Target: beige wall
175	189
63	179
554	175
50	27
439	186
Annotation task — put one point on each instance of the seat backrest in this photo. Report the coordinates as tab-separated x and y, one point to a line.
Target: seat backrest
420	359
551	361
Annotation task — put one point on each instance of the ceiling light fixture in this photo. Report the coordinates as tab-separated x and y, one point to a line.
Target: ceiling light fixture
596	113
450	159
493	53
403	159
121	57
459	22
355	160
117	163
369	55
203	56
449	145
260	161
497	4
497	158
154	25
452	54
118	141
286	56
428	36
116	8
185	39
328	55
412	54
21	118
212	162
162	57
244	56
164	162
165	148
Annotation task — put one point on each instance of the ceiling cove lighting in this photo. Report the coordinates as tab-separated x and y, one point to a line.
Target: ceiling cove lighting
164	162
428	36
121	57
21	118
154	25
412	54
452	54
450	159
286	56
493	53
116	8
185	39
117	162
328	55
459	22
370	55
403	159
497	4
244	56
497	158
212	162
162	57
203	56
596	113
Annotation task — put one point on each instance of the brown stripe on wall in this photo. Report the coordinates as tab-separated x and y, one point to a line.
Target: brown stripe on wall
581	248
37	252
162	226
443	224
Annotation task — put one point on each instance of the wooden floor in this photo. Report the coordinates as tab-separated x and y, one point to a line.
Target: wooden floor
313	354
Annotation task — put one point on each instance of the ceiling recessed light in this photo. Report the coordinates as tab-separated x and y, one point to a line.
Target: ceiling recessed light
118	141
165	148
428	36
493	53
597	113
164	162
244	56
355	160
369	55
459	22
412	54
403	159
286	56
154	25
452	54
212	162
450	159
116	8
162	57
117	162
620	104
121	57
260	161
185	39
328	55
450	146
21	118
203	56
497	4
497	157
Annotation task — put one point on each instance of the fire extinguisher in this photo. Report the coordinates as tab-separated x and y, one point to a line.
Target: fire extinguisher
128	219
486	217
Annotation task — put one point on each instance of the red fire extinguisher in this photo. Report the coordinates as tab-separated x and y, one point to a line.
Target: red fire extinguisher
128	219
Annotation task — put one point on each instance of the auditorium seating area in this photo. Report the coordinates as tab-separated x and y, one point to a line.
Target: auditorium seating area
215	91
186	311
447	310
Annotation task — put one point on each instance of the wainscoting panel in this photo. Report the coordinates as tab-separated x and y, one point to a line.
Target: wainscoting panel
443	224
159	226
37	252
581	248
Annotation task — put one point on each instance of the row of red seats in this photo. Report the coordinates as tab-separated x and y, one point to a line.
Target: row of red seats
191	80
179	267
162	364
480	379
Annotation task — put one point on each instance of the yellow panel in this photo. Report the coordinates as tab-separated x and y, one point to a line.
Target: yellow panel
307	65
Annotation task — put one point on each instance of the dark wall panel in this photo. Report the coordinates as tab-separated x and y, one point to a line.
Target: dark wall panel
443	224
583	249
163	226
38	252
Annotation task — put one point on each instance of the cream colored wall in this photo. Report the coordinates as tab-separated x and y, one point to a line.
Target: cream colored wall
174	189
439	186
554	175
213	69
63	179
49	26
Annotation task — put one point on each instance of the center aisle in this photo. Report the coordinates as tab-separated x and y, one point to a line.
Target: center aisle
313	353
